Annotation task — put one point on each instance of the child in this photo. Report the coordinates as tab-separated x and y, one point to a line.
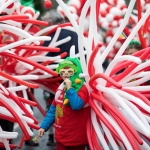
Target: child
67	109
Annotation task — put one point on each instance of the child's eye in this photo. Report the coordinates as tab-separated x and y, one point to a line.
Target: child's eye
61	73
70	72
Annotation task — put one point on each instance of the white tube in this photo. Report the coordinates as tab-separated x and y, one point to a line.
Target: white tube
132	98
139	67
81	28
14	23
30	24
43	58
22	117
17	88
28	129
4	89
139	88
98	131
117	128
125	107
136	75
60	42
15	30
10	136
121	58
55	37
134	32
27	105
137	82
108	134
147	118
24	64
119	31
75	25
45	76
25	41
4	140
5	5
44	87
72	51
138	113
41	32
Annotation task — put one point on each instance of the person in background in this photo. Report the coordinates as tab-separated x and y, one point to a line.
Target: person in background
133	47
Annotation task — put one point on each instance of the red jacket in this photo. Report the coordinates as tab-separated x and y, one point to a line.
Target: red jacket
70	125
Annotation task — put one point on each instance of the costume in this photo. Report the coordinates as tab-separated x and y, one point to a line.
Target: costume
70	117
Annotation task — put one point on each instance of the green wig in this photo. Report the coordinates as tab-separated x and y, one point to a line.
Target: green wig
134	42
28	3
73	63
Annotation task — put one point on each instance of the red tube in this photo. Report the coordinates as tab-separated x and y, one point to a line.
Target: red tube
17	118
51	79
95	140
98	2
121	117
13	17
91	60
108	79
129	69
43	63
28	71
55	28
38	105
103	119
18	80
142	40
27	101
34	126
21	142
146	25
137	94
124	64
30	62
22	107
40	48
12	146
128	134
32	21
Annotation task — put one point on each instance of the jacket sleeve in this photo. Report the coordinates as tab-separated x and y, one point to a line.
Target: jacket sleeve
77	100
49	119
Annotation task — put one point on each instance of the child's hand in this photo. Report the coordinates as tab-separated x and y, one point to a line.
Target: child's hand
41	132
68	83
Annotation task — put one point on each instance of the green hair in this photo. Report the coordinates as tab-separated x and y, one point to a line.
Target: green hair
134	44
28	3
68	64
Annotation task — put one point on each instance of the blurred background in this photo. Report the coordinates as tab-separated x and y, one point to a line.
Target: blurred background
39	5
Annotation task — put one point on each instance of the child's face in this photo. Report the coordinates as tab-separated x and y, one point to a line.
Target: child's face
66	73
131	51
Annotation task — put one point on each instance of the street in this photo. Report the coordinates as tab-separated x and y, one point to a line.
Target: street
42	141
